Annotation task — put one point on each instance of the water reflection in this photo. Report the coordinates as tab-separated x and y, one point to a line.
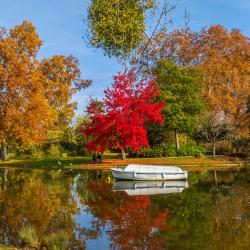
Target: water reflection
150	187
35	198
212	213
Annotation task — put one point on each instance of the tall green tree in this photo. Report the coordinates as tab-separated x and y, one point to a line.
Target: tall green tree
117	26
181	90
120	27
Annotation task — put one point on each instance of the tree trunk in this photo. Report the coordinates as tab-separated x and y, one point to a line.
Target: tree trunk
177	144
123	154
214	153
4	150
5	179
215	177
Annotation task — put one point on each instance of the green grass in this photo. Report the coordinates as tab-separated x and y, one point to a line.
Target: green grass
7	248
52	163
29	236
112	159
56	241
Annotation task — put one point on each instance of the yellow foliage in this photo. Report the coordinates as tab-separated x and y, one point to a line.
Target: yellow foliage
34	95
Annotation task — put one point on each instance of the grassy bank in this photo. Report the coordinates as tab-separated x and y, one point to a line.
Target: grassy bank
8	248
186	163
111	160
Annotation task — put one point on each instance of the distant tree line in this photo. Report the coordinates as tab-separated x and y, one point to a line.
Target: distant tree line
35	95
182	92
203	77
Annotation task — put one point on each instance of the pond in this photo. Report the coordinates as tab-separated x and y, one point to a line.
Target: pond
89	210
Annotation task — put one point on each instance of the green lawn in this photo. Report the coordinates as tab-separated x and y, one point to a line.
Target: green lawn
51	163
110	160
7	248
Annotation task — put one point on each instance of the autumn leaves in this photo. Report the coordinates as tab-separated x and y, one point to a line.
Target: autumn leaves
210	69
35	95
120	120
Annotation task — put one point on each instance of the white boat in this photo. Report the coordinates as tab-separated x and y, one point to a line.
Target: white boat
149	172
150	187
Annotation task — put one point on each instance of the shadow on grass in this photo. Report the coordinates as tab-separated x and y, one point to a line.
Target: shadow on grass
53	163
85	162
47	163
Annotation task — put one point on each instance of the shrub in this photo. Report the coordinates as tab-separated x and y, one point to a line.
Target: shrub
150	153
190	150
241	148
223	147
155	152
54	150
56	241
168	150
29	237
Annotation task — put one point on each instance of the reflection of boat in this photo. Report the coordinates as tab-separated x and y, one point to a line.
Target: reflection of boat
150	187
149	172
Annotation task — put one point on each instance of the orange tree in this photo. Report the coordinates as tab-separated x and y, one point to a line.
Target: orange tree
34	94
225	63
223	57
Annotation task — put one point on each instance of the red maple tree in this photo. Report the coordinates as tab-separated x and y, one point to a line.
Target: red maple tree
120	120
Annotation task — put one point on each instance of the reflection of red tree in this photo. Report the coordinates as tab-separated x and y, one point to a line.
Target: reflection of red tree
134	222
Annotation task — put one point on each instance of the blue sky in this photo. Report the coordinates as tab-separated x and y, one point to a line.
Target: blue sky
60	26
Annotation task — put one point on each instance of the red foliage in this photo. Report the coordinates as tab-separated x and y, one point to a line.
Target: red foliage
133	221
120	120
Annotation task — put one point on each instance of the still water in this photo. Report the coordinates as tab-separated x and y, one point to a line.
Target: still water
92	211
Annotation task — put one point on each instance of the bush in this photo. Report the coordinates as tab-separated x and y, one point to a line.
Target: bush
56	241
29	237
150	153
54	150
241	148
155	152
168	151
190	150
222	147
82	151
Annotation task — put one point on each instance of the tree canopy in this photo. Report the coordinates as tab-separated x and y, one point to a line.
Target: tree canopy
223	58
34	95
119	121
180	88
226	68
117	26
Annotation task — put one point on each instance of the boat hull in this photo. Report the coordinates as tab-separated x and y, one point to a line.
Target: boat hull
150	187
137	176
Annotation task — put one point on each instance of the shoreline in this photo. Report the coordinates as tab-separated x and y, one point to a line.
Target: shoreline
84	163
